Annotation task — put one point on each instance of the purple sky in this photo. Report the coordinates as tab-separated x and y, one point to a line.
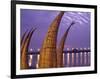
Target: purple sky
79	34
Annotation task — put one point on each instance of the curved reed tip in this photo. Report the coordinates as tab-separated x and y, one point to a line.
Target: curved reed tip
73	22
33	28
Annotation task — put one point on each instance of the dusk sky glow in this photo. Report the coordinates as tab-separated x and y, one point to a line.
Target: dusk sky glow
79	34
